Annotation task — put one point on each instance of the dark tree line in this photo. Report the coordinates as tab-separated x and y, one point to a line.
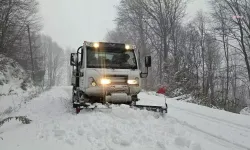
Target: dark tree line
20	39
207	57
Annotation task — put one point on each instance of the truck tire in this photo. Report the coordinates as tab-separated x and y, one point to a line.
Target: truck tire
74	97
73	94
78	109
135	98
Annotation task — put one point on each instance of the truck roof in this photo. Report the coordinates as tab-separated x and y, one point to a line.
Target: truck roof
109	45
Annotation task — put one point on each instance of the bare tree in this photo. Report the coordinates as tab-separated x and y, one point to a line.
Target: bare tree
201	58
15	16
19	25
54	60
239	21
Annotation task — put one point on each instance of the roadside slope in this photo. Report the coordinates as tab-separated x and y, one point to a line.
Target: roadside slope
15	85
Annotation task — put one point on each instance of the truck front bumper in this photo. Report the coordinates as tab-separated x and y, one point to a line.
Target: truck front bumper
99	91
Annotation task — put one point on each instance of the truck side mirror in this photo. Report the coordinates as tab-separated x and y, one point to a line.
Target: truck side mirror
148	61
147	64
143	75
73	58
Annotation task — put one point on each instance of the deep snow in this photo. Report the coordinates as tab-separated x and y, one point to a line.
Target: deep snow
245	111
186	126
15	86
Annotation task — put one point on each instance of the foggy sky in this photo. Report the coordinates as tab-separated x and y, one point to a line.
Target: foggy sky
70	22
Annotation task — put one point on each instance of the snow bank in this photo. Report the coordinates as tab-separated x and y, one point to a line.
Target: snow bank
14	85
245	111
12	77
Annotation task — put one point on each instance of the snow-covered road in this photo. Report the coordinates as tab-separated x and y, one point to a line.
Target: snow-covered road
231	131
186	127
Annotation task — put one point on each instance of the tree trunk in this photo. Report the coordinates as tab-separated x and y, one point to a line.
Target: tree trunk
225	47
31	54
160	67
244	50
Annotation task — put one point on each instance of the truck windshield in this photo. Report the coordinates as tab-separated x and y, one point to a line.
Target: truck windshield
115	59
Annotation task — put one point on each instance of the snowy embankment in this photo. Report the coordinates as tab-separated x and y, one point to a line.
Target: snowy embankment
15	86
185	127
245	111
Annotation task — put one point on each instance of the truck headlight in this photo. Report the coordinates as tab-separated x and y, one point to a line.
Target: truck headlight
105	81
127	47
93	84
132	82
96	45
92	81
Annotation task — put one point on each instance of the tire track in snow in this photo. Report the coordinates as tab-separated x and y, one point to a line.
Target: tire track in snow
226	122
227	142
222	122
244	127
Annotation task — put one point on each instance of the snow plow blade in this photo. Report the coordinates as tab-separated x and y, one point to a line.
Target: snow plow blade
161	109
90	107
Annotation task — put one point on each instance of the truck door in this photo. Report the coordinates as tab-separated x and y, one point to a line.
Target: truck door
82	70
79	70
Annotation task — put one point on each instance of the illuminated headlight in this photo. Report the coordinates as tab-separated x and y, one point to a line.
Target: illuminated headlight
105	81
96	45
93	84
132	82
127	47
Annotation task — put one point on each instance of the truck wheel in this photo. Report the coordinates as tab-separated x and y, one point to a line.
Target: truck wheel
74	100
133	103
73	95
135	98
75	105
78	109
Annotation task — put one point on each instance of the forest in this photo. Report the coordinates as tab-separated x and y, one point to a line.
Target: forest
21	39
206	58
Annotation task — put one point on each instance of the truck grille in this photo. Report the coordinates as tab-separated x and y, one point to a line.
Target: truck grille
118	79
118	89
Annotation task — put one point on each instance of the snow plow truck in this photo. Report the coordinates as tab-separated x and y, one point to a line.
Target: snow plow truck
107	73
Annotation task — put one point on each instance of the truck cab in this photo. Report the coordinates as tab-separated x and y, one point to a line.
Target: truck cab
107	73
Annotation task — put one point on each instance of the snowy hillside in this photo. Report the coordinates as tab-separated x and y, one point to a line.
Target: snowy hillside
14	84
245	111
12	76
186	127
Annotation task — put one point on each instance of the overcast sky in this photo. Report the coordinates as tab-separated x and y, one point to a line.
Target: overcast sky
70	22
